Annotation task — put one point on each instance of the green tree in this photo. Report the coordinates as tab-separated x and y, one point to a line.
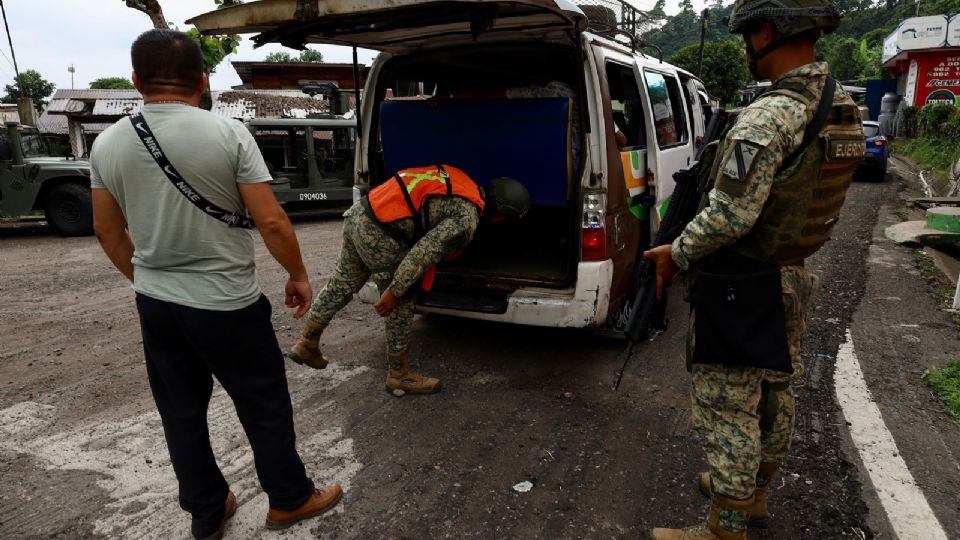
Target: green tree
306	56
33	85
724	69
279	57
311	56
111	83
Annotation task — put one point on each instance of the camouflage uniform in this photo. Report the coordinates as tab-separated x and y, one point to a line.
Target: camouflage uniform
726	398
369	253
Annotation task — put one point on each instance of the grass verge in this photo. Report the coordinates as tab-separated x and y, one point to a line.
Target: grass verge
945	382
935	155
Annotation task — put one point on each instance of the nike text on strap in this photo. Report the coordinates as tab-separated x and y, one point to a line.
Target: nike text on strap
153	148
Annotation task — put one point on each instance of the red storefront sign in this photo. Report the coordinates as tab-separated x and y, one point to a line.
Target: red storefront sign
938	77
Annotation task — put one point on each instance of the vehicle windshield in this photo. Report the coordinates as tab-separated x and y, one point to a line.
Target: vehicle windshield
870	130
33	143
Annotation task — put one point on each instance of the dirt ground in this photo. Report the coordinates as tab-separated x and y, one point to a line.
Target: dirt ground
82	451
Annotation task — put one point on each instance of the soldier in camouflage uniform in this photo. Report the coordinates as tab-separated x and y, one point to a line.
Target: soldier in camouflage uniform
395	247
762	208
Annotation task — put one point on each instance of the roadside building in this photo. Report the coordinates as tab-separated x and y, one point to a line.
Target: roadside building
923	55
294	75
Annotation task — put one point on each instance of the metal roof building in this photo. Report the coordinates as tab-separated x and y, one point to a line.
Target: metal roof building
79	112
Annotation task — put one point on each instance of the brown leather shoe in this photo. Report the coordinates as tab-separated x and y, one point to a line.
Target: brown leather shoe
323	499
229	510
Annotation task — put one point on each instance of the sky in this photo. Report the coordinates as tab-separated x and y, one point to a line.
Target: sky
94	36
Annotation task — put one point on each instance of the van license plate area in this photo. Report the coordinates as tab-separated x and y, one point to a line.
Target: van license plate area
495	304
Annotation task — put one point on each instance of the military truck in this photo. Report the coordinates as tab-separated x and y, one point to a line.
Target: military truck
311	159
33	180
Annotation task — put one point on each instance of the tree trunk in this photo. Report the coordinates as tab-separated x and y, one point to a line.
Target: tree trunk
152	9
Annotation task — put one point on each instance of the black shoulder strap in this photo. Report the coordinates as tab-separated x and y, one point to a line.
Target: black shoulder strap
418	228
816	123
153	148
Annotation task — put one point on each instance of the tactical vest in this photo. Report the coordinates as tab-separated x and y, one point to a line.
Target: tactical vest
806	197
404	195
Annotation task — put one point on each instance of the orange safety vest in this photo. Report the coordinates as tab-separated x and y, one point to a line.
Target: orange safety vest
404	195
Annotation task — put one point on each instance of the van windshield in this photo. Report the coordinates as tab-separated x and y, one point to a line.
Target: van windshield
32	143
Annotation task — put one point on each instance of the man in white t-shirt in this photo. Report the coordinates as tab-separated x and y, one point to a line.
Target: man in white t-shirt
202	314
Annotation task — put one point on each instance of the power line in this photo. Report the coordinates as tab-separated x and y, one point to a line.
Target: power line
7	58
12	53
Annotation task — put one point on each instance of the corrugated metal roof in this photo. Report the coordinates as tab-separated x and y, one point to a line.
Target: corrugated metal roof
236	104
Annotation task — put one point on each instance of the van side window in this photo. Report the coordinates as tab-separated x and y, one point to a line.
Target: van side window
628	116
667	103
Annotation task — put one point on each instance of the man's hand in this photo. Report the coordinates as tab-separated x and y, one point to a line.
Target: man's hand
299	294
666	267
386	304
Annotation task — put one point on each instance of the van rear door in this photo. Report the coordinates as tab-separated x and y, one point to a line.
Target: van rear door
396	25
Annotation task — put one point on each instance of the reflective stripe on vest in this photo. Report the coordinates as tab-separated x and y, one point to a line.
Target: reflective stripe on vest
404	195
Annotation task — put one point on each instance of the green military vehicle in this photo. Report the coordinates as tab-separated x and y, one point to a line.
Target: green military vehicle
33	180
310	159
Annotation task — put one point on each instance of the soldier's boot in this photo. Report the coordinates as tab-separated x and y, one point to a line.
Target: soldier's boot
399	376
306	351
727	520
758	513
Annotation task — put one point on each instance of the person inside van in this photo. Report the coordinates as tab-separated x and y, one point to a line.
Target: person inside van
395	236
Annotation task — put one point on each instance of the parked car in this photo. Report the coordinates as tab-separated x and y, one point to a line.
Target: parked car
594	128
874	166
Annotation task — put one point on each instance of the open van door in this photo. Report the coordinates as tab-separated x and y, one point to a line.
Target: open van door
396	25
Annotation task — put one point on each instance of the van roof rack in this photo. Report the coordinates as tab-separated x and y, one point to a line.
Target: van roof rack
613	18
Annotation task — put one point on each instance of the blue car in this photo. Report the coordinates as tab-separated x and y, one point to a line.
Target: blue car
874	165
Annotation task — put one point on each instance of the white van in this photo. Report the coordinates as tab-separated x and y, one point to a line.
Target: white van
519	88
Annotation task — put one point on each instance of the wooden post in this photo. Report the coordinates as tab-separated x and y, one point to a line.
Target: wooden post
75	130
956	295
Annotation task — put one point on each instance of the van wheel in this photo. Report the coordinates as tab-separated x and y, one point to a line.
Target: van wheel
69	210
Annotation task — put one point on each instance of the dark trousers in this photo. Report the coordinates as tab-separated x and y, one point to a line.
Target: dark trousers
185	348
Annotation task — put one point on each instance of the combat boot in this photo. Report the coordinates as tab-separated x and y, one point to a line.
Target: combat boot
399	376
758	513
727	520
306	351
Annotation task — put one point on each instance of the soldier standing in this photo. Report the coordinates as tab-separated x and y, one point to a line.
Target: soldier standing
781	174
395	236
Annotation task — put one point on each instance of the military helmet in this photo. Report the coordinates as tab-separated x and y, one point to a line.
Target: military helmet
508	198
791	17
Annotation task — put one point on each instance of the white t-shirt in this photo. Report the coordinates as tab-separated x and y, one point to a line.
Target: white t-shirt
182	255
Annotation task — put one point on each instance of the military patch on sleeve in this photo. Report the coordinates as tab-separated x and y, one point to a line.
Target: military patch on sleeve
739	165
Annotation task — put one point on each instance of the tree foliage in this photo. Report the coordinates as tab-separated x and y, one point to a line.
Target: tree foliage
724	69
33	86
309	56
111	83
672	33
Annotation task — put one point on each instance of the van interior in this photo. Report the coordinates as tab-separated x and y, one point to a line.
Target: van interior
493	111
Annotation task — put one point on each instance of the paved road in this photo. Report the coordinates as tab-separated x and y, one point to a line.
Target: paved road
82	453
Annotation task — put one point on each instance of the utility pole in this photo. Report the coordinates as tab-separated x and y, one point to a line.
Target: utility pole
704	19
72	70
24	103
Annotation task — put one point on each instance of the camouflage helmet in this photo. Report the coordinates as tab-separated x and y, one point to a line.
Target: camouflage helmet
791	17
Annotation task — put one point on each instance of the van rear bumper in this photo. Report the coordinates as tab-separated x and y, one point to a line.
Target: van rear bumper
585	305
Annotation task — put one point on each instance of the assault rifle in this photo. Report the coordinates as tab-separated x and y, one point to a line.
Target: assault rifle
647	313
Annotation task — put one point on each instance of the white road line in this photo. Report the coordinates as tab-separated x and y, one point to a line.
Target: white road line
906	507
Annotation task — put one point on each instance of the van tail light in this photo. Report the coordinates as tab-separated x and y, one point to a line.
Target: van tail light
593	244
880	142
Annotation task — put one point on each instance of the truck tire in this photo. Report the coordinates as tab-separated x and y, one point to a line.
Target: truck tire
69	210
